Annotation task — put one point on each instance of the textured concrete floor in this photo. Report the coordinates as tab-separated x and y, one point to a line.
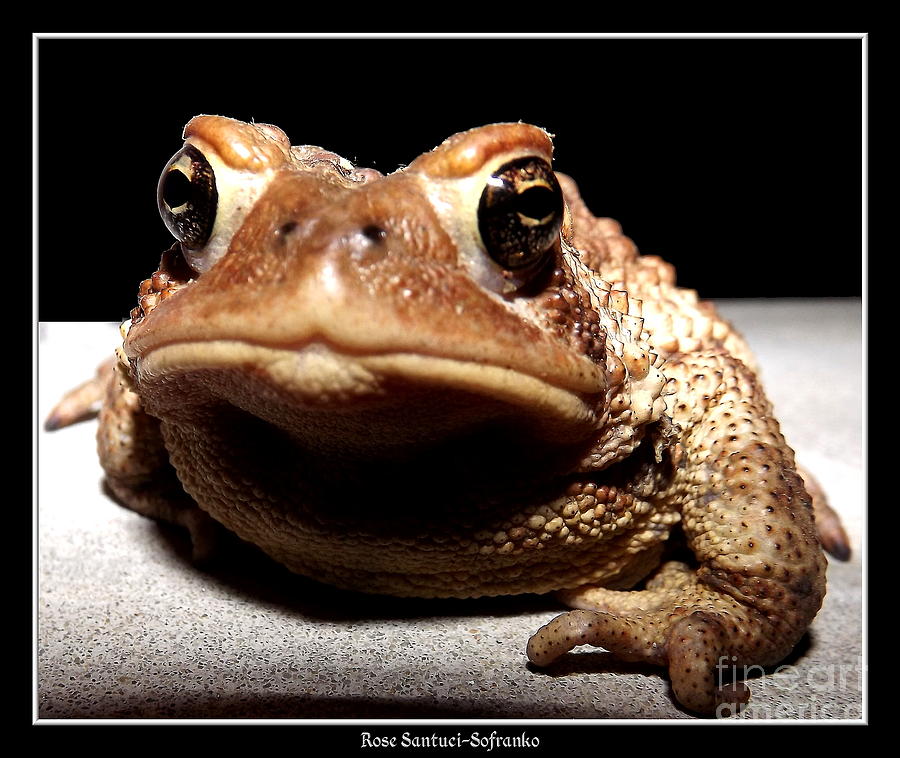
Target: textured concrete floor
129	628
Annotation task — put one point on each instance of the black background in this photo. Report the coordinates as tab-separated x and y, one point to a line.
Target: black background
739	160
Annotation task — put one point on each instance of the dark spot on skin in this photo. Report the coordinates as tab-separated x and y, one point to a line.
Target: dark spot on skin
802	586
287	228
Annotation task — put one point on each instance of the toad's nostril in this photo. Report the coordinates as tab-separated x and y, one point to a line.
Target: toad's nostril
287	228
374	233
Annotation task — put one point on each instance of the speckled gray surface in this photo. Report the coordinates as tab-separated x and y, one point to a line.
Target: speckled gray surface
129	628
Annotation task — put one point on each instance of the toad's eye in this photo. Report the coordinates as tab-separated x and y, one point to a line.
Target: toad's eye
521	213
187	197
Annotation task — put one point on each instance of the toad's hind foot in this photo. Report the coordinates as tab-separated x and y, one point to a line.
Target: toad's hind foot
828	524
83	402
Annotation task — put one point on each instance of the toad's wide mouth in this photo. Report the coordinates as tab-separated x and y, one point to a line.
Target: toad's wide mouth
390	398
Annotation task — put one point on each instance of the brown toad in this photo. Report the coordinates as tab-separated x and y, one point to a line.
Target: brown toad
455	381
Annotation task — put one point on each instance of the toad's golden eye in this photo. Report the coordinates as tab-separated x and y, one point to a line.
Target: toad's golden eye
187	197
520	214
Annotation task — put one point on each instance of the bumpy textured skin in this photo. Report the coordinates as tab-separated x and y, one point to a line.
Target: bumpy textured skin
351	387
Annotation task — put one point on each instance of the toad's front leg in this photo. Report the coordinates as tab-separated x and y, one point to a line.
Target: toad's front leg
133	455
748	520
136	463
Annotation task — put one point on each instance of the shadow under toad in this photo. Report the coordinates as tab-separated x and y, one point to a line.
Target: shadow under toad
244	569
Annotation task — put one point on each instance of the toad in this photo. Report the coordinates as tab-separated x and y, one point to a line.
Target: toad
455	381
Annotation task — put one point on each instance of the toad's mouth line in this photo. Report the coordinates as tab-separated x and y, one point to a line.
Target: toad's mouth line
321	378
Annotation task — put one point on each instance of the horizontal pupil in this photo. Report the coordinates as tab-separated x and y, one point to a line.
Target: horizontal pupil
536	202
177	189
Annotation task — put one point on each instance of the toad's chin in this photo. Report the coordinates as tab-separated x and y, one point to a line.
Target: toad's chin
361	404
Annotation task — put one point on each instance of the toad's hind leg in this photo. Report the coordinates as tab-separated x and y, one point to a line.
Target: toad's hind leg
138	472
749	522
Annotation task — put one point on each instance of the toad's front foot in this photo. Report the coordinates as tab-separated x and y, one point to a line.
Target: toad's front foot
695	646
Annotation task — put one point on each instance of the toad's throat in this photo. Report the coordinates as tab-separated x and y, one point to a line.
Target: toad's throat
482	504
337	402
